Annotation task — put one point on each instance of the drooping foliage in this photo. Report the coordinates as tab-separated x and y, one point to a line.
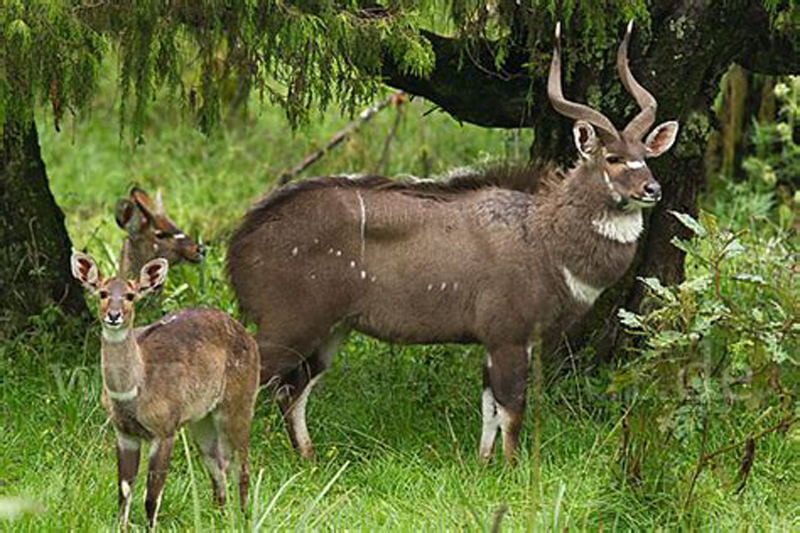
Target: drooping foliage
302	55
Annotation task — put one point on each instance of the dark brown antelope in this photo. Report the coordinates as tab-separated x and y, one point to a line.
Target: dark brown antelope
464	261
151	234
197	367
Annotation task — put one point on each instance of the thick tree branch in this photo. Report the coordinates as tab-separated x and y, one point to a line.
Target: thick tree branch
690	40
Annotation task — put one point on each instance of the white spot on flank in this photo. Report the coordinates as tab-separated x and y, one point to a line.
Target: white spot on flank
338	253
363	275
444	286
313	276
455	286
621	227
635	164
352	264
316	241
330	250
294	250
373	279
430	286
583	292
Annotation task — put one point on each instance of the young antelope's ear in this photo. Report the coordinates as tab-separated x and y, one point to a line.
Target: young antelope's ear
153	275
123	212
85	270
661	138
585	138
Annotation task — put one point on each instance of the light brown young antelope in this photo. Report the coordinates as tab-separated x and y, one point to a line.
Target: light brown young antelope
468	261
197	367
151	234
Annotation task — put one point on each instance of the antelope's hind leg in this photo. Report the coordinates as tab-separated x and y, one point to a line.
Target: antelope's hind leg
232	422
206	437
294	387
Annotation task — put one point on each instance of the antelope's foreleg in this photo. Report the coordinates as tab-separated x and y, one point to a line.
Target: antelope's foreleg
127	467
160	453
491	420
508	373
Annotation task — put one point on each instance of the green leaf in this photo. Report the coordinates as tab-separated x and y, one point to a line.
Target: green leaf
691	223
630	319
654	284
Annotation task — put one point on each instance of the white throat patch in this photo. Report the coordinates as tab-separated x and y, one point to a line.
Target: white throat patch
581	291
115	335
622	227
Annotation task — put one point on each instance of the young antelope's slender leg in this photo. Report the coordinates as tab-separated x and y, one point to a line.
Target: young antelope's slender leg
205	436
127	467
160	453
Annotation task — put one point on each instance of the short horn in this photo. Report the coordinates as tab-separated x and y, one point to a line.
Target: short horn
642	122
572	109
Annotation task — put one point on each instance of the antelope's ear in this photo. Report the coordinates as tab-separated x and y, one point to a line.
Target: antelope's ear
123	212
144	203
84	269
153	275
661	138
585	138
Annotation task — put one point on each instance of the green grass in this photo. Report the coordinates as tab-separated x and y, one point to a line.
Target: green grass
396	428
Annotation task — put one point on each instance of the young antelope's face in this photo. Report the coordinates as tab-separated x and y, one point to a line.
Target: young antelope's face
116	303
117	297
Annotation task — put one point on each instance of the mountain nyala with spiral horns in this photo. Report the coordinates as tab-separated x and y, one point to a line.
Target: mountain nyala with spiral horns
467	260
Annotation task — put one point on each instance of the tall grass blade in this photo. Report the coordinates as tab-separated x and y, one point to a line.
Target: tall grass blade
321	495
273	501
192	481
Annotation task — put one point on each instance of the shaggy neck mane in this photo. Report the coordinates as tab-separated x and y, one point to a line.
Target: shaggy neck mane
533	178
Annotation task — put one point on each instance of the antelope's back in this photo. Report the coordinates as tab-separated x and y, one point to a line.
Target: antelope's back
325	249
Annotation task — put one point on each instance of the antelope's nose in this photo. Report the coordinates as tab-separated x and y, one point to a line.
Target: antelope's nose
653	190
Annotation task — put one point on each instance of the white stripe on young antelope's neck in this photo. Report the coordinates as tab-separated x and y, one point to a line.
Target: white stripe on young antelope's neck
622	227
581	291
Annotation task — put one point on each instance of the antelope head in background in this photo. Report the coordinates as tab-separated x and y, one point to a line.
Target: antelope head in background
151	233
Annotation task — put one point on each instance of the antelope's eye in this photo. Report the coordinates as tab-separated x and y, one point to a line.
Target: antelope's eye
614	159
103	294
130	296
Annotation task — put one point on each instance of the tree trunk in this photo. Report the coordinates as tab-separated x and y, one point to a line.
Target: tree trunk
34	245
